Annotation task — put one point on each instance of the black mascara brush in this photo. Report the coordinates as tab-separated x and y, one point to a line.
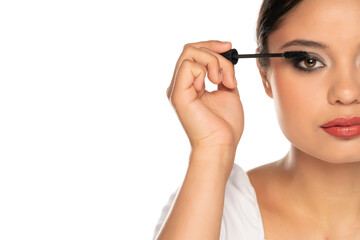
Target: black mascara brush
233	56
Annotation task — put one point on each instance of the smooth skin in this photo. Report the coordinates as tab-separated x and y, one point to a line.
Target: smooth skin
314	191
210	119
214	123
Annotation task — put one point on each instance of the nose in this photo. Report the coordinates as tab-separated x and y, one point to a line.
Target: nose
345	88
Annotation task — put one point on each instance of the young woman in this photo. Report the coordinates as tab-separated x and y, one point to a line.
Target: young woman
314	191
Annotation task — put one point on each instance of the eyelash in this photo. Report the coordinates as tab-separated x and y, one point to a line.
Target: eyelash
296	61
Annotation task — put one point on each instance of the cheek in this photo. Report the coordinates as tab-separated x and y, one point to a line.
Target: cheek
298	103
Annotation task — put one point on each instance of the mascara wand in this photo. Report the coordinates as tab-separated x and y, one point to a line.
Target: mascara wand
233	56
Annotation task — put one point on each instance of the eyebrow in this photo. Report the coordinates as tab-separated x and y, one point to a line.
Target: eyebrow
301	42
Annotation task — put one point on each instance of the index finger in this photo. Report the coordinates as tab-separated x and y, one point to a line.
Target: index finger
213	45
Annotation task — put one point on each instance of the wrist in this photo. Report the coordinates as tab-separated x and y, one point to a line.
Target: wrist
219	160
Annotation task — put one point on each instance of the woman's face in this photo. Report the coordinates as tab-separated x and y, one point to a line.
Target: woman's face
306	100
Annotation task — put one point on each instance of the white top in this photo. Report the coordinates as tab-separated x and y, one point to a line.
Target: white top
241	218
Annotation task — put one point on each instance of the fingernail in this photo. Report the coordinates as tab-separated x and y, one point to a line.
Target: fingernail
225	42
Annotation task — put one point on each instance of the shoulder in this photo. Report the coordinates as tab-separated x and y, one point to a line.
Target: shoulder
267	179
241	214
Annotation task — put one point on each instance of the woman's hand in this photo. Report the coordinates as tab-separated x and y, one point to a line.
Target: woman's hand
210	119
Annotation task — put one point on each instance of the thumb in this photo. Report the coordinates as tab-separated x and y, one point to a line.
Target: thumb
222	87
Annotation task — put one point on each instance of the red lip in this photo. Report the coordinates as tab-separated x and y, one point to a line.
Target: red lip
342	122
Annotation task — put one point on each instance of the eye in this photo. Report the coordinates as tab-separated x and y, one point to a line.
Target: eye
307	64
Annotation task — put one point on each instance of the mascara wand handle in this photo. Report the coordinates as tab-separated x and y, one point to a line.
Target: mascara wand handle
231	55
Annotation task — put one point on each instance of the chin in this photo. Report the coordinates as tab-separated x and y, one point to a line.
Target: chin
327	152
336	156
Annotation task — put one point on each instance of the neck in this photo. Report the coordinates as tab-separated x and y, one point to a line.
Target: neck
327	193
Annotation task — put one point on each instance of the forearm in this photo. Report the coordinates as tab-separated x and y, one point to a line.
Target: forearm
197	211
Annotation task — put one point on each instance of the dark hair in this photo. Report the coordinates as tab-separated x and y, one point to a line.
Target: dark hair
271	15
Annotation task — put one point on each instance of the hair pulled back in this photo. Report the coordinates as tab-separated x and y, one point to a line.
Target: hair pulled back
271	15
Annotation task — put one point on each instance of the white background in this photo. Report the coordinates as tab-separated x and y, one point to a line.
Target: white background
90	147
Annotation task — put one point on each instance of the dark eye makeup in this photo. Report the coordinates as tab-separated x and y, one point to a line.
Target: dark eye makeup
310	58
